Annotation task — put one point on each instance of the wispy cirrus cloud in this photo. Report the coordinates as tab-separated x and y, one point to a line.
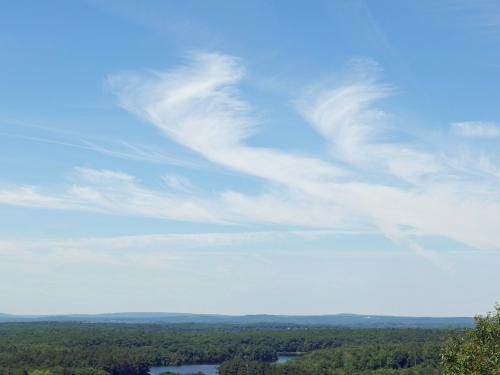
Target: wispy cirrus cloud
115	148
117	193
477	129
198	107
359	133
30	196
111	192
157	250
372	178
178	183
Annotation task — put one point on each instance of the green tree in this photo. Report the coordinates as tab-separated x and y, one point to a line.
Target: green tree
477	352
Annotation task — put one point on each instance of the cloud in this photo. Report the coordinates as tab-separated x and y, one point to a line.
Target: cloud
178	182
117	193
477	129
121	149
358	132
29	196
376	176
157	250
198	107
112	192
130	151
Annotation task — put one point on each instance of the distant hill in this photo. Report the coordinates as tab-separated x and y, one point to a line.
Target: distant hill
339	320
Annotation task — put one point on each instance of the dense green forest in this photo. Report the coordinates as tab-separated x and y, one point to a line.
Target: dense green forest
412	357
126	349
57	348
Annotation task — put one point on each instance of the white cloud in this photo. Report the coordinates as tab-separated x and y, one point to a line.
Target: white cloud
157	250
130	151
179	183
198	107
371	180
357	131
111	147
479	129
29	196
115	193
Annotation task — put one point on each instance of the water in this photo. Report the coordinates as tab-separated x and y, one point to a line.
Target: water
186	369
206	369
286	358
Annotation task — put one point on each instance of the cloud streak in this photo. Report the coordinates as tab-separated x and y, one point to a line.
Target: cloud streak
477	129
121	149
157	250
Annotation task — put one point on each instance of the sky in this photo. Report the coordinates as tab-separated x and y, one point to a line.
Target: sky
279	157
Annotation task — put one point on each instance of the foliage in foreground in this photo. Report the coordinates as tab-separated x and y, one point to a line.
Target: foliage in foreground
477	351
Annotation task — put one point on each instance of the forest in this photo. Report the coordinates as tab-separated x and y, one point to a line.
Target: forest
70	348
124	349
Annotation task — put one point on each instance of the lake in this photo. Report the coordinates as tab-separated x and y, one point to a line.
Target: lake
206	369
286	358
186	369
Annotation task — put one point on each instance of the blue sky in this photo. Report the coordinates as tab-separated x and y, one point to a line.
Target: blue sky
250	157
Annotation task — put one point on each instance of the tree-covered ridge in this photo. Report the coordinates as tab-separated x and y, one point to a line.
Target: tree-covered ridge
337	320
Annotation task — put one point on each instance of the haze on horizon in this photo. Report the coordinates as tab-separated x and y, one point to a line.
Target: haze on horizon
296	158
